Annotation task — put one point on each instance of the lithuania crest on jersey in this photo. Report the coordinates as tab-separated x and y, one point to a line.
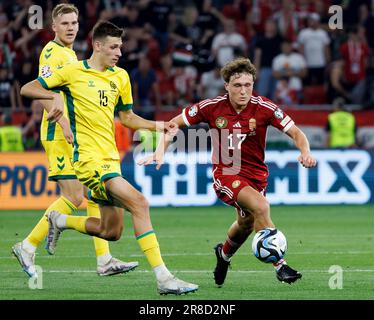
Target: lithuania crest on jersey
221	122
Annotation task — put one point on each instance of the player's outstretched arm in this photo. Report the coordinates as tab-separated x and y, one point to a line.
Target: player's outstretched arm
158	156
301	142
131	120
34	90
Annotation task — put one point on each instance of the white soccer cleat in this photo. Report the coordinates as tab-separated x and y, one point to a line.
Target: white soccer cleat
173	285
54	232
115	266
25	259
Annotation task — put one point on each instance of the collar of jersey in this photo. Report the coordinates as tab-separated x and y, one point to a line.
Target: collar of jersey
85	63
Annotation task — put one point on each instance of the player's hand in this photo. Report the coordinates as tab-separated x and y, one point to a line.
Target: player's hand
68	134
154	158
307	160
57	110
171	128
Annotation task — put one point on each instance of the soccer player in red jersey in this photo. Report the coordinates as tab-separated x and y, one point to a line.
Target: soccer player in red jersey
238	123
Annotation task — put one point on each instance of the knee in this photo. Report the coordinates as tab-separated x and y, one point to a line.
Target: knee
141	203
111	235
262	209
76	199
246	222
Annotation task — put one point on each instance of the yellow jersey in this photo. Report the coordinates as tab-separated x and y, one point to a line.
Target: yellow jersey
92	98
52	57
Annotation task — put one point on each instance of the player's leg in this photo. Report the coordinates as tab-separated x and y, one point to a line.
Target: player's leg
137	204
107	265
61	171
253	201
237	234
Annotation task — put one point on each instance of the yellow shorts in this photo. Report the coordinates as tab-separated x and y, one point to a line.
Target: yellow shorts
94	173
59	154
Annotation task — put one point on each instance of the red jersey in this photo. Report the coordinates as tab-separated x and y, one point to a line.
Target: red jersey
238	139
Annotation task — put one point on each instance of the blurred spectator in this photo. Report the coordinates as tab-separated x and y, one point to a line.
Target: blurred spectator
187	31
284	93
7	90
10	135
211	84
291	66
31	131
268	47
341	127
354	55
184	82
146	91
166	82
288	20
228	44
159	13
314	46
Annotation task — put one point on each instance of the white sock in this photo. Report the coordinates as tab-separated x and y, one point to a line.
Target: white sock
225	257
103	259
61	221
279	264
162	273
28	246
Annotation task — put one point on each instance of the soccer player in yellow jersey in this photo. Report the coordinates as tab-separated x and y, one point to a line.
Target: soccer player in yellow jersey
94	89
55	54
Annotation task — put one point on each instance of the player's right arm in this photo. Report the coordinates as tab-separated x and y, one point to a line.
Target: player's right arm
40	89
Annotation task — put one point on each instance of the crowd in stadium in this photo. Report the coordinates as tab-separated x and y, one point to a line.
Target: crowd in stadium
173	51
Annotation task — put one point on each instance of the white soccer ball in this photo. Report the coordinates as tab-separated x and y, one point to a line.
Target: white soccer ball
269	245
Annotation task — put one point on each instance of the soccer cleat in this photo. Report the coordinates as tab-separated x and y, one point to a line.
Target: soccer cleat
173	285
222	266
54	232
115	266
25	259
287	274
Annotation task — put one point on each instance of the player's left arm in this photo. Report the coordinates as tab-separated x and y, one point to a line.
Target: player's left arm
302	143
131	120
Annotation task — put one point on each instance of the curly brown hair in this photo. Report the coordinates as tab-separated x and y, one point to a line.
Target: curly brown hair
238	66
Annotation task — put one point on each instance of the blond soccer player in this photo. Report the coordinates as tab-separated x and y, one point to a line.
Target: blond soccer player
54	55
95	89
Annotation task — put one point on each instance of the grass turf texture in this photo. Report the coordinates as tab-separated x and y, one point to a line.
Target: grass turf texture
318	238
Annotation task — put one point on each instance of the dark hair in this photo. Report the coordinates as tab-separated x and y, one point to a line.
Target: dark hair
237	66
103	29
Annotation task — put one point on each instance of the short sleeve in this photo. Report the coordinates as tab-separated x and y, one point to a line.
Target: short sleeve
280	120
51	79
194	114
125	101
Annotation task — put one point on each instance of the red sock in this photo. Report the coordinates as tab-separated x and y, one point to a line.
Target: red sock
230	247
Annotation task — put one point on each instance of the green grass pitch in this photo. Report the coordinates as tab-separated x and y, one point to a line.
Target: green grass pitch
318	237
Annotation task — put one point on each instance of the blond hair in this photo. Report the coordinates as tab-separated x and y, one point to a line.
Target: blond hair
64	8
238	66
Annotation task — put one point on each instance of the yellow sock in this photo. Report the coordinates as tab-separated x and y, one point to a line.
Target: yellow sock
101	245
40	231
149	244
77	223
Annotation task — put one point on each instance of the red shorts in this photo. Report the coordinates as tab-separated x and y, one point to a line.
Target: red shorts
227	188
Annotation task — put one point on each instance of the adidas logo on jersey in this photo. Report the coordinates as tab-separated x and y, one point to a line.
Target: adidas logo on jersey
237	125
